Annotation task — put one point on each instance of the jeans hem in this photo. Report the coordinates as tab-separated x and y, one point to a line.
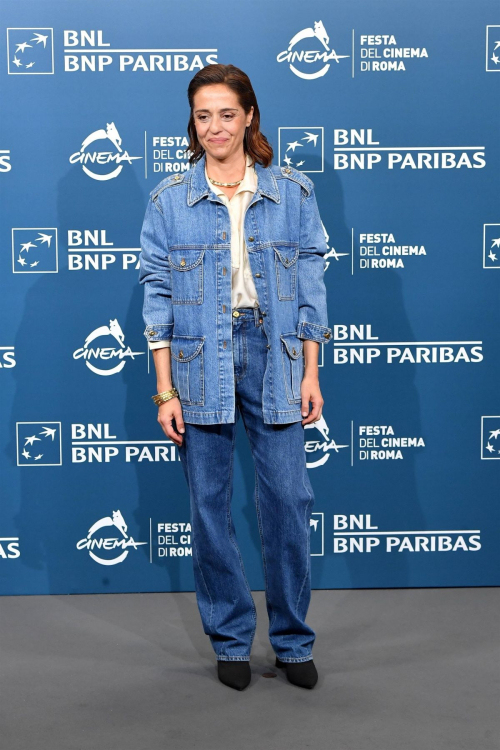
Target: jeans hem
291	660
233	658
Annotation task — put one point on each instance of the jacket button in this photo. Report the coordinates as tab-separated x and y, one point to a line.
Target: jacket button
268	346
181	354
152	333
251	239
287	170
328	335
257	275
236	314
183	262
177	177
294	350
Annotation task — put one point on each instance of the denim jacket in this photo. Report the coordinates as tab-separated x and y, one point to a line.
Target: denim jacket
185	266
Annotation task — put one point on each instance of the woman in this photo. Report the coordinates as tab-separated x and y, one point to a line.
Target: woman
235	310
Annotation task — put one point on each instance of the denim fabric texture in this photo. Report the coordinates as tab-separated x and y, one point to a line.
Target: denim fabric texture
185	267
283	498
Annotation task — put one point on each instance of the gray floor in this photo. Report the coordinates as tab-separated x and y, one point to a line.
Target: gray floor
405	668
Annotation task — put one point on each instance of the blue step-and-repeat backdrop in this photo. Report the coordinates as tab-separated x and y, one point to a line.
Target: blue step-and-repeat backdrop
393	110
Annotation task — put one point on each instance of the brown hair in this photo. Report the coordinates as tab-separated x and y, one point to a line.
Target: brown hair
255	143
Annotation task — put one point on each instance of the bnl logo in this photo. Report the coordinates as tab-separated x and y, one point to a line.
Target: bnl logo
490	437
317	534
34	250
493	49
38	443
491	246
30	51
301	148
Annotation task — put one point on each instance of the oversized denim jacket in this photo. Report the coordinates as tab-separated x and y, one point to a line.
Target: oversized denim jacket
185	266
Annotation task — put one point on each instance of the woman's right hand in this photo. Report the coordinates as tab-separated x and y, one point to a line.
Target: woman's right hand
169	410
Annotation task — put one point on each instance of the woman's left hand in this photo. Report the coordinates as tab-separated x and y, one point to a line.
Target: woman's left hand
310	392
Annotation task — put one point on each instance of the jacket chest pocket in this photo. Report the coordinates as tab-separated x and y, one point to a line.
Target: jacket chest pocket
187	368
285	260
186	266
292	356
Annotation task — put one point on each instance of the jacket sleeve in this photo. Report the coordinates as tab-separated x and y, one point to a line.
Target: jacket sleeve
154	274
313	316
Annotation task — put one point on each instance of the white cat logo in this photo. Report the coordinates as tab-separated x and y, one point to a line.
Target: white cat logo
103	157
109	543
106	353
310	56
322	447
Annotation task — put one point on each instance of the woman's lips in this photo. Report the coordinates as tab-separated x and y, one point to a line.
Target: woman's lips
218	140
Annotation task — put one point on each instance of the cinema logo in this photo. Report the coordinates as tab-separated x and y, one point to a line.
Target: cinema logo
102	162
106	353
319	445
309	48
355	344
87	52
94	443
356	533
110	548
357	149
89	249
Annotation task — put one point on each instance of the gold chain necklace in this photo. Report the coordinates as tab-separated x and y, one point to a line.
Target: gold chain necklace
226	184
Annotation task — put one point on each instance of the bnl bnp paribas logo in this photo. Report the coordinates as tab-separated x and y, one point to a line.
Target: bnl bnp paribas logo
30	51
101	155
309	54
34	250
491	246
493	49
104	356
302	148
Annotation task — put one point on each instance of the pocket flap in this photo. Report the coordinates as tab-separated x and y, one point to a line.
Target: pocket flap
287	254
185	348
184	259
293	344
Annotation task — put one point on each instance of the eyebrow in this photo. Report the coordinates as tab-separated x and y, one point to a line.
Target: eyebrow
225	109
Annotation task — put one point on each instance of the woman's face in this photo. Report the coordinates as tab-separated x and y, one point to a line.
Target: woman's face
220	121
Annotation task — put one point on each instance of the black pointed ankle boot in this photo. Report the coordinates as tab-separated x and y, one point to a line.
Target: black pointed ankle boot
235	674
301	673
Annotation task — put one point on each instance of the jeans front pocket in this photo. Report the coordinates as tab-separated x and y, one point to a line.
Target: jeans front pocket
186	264
187	368
285	259
292	355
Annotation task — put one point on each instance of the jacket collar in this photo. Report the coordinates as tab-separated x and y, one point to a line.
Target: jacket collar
198	187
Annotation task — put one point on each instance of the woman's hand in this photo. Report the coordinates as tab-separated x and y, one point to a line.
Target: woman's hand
310	392
169	410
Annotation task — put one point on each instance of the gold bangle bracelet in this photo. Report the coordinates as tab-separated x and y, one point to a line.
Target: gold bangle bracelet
160	398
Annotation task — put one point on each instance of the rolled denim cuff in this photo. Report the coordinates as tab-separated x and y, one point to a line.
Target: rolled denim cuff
159	332
314	332
159	344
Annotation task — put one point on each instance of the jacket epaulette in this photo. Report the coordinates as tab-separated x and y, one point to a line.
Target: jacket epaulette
298	176
173	179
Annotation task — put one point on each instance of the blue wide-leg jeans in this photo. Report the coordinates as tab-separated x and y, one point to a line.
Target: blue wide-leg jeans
283	498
